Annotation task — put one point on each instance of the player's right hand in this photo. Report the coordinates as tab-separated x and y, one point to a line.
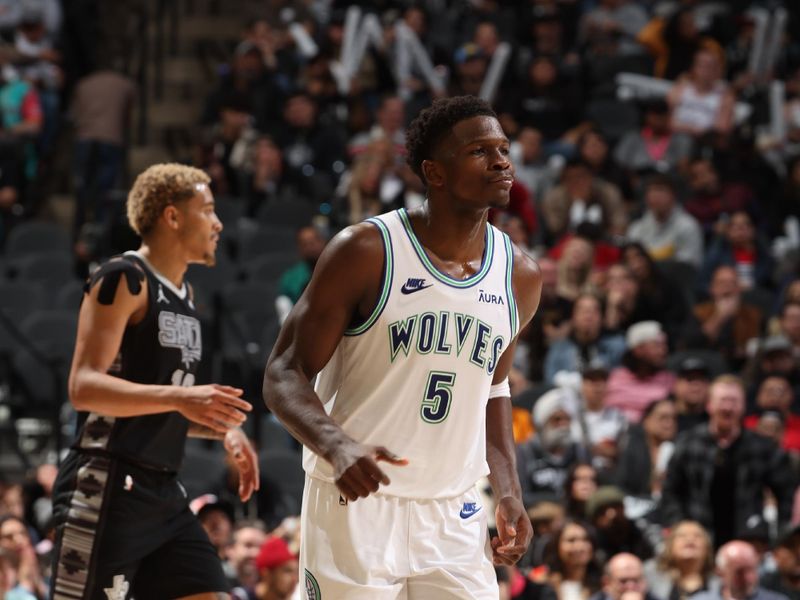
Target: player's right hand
355	467
218	407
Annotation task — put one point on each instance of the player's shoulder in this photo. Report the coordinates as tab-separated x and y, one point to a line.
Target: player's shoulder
118	279
359	243
527	282
526	270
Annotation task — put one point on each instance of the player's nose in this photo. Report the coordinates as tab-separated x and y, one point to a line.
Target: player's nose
500	161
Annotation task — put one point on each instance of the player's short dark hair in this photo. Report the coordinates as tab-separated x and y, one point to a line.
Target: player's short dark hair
432	124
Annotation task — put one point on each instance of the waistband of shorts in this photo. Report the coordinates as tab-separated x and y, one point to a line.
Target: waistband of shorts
154	470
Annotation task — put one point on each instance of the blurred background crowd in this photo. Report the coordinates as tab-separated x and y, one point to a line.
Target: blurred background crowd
657	151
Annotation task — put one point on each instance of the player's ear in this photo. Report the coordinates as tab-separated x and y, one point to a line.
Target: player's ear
171	216
433	172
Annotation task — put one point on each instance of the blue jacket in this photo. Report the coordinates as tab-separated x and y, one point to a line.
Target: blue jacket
566	355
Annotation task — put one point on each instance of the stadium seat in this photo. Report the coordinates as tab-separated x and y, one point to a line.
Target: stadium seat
203	466
37	237
284	470
264	240
272	435
229	210
246	313
53	269
291	215
69	296
208	282
269	268
19	298
43	373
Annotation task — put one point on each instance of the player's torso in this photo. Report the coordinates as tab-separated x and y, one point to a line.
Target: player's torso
415	377
164	348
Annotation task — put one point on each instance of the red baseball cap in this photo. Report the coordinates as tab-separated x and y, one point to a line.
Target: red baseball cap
273	553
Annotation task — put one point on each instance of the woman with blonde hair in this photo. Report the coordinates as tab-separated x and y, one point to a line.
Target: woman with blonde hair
686	564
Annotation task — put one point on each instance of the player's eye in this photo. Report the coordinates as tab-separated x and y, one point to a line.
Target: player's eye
478	152
504	151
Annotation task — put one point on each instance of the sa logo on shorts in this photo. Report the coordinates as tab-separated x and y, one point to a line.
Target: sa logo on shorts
312	587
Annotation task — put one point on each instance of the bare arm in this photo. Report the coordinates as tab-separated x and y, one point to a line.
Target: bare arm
725	115
513	525
345	283
101	326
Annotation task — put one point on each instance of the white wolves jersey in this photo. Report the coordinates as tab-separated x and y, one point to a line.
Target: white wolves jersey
415	376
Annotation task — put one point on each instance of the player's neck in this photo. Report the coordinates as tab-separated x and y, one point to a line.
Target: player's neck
452	235
165	260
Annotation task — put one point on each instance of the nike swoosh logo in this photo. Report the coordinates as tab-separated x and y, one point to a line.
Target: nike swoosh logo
468	511
410	290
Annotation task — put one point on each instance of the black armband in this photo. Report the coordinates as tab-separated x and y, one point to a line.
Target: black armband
108	276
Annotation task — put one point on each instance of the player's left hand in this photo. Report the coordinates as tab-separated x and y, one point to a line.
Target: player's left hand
246	460
514	531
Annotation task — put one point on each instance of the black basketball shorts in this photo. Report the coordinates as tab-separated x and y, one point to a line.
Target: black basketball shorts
126	532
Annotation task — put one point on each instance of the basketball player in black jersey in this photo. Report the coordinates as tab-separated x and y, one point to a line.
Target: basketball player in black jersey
124	529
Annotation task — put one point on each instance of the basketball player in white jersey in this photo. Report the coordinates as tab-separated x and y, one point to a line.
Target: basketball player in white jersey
409	323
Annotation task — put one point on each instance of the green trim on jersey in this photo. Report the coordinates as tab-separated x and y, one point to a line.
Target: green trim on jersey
488	255
387	280
512	302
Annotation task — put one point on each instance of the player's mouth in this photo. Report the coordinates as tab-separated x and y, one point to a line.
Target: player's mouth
505	181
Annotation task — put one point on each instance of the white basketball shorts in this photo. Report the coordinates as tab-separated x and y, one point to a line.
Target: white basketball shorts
389	548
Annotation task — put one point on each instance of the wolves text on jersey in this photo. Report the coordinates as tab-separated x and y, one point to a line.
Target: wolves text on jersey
182	332
438	333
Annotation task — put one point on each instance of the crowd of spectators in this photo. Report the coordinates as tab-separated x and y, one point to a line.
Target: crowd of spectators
657	390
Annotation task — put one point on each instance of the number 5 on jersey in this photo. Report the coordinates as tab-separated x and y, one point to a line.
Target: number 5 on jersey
438	395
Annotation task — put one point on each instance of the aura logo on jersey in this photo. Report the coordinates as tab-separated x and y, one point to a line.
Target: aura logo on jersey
447	333
181	332
490	298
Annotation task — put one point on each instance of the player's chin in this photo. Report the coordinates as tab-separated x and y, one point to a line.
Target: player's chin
209	258
501	200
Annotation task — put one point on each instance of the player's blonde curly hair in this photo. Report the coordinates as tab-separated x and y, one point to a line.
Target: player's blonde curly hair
157	187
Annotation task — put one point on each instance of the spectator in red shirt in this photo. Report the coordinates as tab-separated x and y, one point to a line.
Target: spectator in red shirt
775	394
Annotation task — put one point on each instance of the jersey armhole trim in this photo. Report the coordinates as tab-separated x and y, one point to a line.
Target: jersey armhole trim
512	302
388	275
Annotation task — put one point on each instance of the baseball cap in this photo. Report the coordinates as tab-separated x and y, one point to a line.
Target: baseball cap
207	502
604	496
776	343
642	332
274	552
693	365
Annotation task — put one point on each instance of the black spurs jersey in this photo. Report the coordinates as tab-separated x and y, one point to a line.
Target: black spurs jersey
164	348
